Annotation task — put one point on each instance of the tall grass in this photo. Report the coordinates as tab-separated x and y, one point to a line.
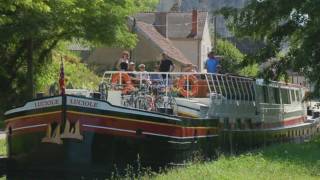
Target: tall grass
286	161
3	147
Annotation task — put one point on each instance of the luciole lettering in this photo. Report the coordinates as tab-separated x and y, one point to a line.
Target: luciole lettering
83	103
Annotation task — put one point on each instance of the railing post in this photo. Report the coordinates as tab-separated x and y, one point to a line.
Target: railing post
246	85
187	85
214	86
234	89
220	91
228	87
242	89
120	78
238	88
209	87
140	80
224	87
167	83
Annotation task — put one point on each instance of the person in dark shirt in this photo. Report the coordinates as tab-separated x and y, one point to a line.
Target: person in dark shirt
166	65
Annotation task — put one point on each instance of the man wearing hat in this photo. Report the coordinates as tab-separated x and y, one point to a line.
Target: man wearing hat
132	69
123	62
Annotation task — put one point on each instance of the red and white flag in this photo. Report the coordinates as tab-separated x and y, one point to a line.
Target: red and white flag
61	79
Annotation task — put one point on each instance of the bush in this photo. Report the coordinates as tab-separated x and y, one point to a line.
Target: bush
232	60
77	74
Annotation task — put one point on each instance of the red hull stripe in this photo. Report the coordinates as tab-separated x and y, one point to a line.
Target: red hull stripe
145	133
286	122
136	120
131	126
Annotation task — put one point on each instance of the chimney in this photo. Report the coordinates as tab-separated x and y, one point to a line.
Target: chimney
161	23
194	30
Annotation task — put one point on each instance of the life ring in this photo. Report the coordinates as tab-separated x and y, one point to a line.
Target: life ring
125	78
193	83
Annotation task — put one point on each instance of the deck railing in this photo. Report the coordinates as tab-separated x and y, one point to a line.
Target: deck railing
229	86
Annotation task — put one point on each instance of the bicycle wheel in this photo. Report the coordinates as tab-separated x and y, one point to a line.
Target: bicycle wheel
140	103
159	103
172	104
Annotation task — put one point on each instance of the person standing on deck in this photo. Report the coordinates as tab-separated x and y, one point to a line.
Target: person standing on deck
123	62
211	63
143	75
166	65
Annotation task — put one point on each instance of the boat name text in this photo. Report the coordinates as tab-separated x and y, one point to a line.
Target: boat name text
83	103
51	102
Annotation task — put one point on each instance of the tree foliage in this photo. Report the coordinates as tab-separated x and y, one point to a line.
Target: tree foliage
30	30
233	60
77	74
290	27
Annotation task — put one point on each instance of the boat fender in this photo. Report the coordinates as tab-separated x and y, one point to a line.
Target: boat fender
193	83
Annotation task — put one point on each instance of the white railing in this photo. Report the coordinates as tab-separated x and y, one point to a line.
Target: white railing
230	86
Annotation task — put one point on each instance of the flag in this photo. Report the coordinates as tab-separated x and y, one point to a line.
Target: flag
61	79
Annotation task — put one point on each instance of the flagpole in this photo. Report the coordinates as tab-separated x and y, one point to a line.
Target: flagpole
64	97
61	79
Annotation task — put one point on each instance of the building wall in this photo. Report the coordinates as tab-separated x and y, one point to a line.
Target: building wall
104	58
145	52
189	47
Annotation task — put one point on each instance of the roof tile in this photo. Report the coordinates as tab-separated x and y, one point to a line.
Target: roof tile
163	43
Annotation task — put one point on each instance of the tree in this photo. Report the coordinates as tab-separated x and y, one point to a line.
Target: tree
233	60
30	30
76	73
289	28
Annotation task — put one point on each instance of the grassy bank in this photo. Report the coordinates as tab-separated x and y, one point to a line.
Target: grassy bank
287	161
3	148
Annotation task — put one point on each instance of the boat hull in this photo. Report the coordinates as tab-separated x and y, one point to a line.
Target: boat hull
83	135
81	139
237	141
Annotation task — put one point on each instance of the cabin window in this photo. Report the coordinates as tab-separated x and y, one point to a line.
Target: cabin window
285	96
298	95
293	96
226	124
238	124
265	94
253	92
249	124
276	94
